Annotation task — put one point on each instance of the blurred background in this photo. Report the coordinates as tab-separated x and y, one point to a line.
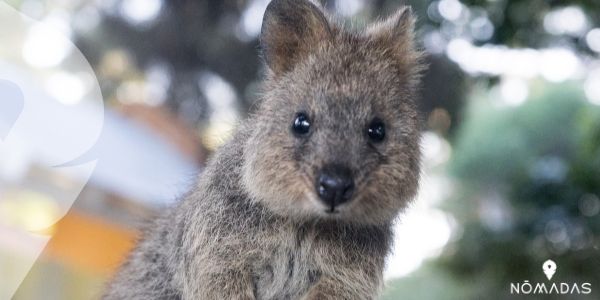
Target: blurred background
510	106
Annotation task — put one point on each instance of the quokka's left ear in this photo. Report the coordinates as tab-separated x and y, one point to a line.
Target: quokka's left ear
397	33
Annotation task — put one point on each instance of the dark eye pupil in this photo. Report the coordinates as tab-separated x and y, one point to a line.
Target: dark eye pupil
376	131
301	124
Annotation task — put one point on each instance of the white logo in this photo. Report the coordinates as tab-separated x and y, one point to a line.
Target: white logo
555	288
549	268
51	115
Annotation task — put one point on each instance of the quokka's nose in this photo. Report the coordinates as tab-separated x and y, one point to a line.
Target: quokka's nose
335	185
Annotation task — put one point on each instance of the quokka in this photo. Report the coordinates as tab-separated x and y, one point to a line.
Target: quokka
299	203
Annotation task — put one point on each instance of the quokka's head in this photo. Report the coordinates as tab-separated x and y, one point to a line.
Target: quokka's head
336	135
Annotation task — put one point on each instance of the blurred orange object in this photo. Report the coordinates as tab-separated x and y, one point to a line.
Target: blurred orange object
90	243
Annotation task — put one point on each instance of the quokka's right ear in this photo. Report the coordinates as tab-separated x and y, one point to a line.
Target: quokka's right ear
290	30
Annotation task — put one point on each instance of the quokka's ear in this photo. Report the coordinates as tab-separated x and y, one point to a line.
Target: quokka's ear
290	29
397	33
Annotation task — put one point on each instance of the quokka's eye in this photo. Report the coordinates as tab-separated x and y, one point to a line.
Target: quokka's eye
376	130
301	124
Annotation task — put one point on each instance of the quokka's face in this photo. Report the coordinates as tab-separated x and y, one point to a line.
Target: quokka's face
336	135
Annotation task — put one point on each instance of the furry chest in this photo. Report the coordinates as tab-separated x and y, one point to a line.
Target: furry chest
285	272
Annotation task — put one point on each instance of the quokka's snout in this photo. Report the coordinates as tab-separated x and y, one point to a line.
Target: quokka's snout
335	186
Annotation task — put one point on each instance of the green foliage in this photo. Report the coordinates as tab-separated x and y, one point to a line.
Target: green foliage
508	140
529	187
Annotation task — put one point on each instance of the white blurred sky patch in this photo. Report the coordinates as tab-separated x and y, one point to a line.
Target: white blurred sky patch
251	20
56	46
553	64
450	10
420	234
139	12
349	8
559	64
423	230
592	38
591	86
513	90
222	99
481	28
570	20
68	88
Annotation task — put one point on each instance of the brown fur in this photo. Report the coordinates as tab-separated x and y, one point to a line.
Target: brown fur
254	228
